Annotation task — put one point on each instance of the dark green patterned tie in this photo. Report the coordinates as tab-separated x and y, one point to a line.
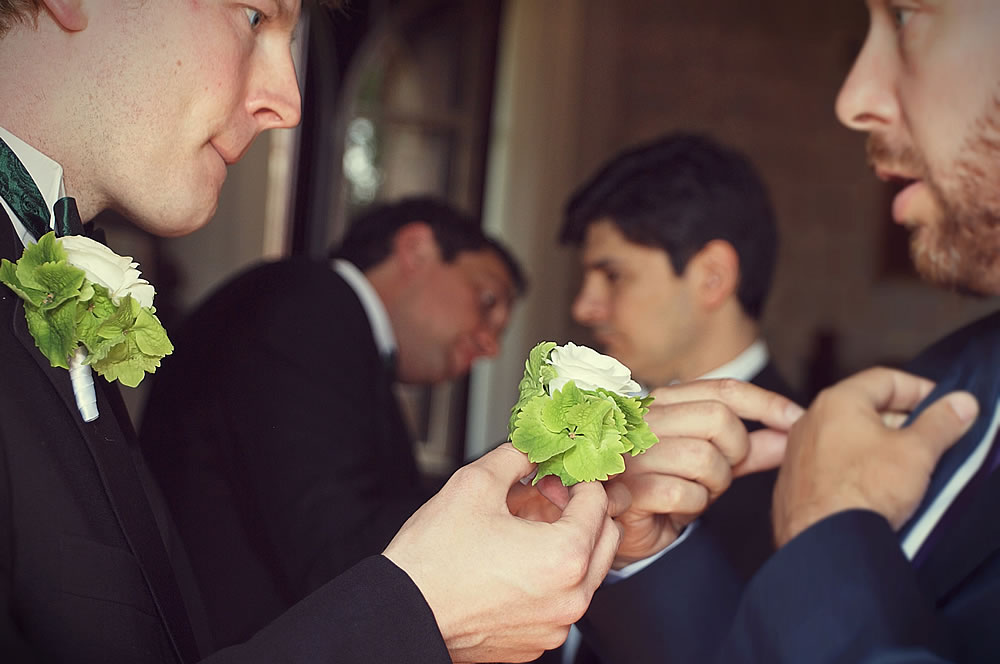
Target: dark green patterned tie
23	197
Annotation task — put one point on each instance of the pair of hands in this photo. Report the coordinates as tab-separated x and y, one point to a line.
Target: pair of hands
507	571
848	451
508	568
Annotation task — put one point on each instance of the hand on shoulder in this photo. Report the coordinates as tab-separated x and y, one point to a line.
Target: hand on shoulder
849	452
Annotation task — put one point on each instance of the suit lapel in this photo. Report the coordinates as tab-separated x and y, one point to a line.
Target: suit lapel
110	439
969	360
974	538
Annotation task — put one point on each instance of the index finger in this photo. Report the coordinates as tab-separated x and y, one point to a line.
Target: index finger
889	389
767	450
747	400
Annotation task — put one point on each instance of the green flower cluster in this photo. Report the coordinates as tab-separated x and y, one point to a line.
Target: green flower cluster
64	311
578	435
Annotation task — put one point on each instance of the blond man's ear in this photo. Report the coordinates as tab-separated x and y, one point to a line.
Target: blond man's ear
70	14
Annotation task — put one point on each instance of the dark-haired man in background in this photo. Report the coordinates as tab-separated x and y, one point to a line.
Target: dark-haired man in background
678	244
293	461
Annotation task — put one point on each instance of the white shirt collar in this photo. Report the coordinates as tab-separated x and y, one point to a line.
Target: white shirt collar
47	174
378	317
744	366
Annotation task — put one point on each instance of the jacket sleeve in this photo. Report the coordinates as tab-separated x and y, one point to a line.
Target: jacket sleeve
840	593
371	614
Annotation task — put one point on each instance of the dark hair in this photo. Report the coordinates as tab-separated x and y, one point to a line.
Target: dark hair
369	236
678	193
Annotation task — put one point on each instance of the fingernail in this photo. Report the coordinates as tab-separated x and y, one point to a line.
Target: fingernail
964	405
793	411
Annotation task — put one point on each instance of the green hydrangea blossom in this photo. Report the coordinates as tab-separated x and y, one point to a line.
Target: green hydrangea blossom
64	311
576	435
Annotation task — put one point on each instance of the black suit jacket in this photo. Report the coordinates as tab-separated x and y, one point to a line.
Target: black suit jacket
84	575
278	442
842	591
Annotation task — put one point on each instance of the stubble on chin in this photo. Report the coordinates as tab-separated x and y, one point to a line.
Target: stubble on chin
959	249
966	251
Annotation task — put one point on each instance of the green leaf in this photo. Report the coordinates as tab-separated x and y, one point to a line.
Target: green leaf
8	275
537	374
150	336
126	363
533	437
127	340
59	282
54	331
632	408
554	466
641	439
588	416
561	405
91	324
46	250
595	460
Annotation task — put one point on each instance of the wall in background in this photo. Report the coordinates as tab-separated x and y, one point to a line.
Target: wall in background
585	78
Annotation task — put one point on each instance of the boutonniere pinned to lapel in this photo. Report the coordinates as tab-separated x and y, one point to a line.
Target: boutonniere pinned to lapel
576	415
86	304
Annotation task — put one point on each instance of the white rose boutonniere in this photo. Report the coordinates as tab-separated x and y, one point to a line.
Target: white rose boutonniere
82	299
102	266
575	416
589	370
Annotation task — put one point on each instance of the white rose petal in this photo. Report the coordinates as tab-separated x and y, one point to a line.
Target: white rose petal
106	268
589	370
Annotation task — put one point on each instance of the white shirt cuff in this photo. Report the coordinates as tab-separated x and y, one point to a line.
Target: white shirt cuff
616	575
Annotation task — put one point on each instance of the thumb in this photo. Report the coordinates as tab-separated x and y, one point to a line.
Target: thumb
944	421
507	464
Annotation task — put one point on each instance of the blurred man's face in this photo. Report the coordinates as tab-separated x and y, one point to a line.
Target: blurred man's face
639	311
926	88
456	315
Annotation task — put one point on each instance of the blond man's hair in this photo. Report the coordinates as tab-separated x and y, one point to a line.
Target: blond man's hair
13	12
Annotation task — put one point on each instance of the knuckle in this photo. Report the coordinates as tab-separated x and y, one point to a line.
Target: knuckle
470	478
703	459
554	638
729	388
574	566
575	606
672	494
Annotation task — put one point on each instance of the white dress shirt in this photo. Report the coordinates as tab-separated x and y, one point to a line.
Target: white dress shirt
926	522
378	317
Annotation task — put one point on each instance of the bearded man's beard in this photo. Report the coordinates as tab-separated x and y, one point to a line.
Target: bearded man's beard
961	249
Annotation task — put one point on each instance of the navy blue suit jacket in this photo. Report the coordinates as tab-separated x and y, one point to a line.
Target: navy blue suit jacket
842	591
